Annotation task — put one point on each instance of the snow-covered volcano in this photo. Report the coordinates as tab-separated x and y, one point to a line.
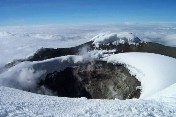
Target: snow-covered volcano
117	65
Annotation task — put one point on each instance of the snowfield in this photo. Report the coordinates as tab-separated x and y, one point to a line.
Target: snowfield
155	72
14	102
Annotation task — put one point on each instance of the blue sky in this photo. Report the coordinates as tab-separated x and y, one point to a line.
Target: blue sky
39	12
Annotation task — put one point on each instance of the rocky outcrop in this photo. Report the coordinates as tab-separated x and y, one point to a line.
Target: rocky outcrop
64	84
97	80
48	53
150	47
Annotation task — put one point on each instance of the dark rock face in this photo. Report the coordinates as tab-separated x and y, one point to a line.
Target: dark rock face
148	47
97	80
65	84
107	81
47	53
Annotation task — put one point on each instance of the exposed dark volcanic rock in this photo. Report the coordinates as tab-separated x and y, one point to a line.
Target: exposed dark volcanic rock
65	84
107	81
149	47
97	80
47	53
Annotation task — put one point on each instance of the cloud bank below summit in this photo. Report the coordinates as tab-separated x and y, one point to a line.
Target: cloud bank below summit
22	41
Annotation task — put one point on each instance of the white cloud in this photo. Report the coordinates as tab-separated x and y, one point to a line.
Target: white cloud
22	76
28	78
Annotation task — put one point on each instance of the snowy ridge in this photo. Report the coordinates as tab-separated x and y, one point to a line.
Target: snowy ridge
153	70
115	38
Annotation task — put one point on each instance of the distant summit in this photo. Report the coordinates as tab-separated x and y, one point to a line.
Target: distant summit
115	39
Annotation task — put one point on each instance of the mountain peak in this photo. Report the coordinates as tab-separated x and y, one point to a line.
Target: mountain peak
115	38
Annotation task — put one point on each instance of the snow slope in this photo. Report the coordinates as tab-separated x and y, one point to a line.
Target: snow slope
18	103
155	71
167	95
